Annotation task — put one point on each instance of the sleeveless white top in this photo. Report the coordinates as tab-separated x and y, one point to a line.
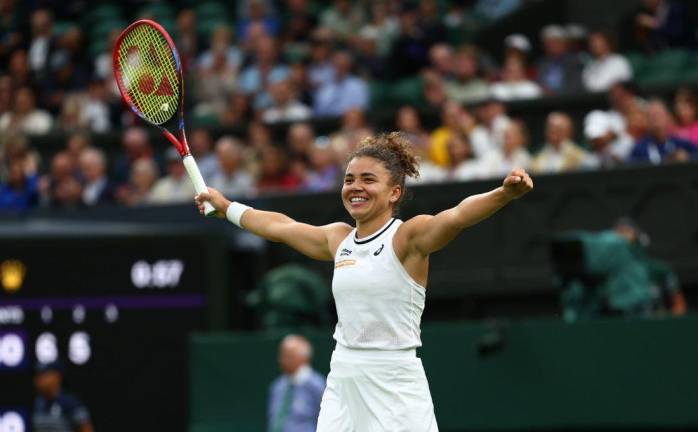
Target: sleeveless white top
379	305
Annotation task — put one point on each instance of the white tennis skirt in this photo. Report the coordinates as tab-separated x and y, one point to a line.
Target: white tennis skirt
376	391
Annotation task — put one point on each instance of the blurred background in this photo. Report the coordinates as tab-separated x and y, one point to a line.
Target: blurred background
568	310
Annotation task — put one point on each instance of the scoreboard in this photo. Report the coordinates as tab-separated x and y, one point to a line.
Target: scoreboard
116	309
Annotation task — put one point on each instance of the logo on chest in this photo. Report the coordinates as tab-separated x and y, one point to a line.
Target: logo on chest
345	252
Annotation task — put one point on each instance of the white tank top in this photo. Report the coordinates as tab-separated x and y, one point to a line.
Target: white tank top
379	305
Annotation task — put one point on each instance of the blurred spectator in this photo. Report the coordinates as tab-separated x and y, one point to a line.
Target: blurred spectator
258	14
383	28
609	145
285	106
217	73
54	408
298	24
142	177
519	46
68	70
466	86
320	70
42	42
5	94
200	144
19	70
559	153
231	178
175	186
20	191
686	110
410	51
345	92
96	188
76	144
135	146
659	24
514	153
624	99
324	170
636	123
25	117
11	21
496	9
515	85
430	21
237	112
441	59
301	138
434	90
343	18
558	71
61	188
17	148
265	69
464	165
86	110
452	115
607	68
493	121
354	128
660	145
294	397
409	123
275	173
187	38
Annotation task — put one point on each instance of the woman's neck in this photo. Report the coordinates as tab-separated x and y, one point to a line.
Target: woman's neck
367	228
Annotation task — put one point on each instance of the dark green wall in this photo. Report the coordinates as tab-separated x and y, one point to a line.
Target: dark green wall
611	374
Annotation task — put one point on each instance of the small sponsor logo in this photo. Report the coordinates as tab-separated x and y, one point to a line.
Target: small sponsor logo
345	252
380	249
345	263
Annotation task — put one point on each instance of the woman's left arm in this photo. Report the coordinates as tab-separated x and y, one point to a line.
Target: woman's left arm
426	234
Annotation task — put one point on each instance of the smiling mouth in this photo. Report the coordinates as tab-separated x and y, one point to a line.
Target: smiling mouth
357	201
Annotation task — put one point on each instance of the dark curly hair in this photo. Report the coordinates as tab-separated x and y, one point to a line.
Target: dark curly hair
393	151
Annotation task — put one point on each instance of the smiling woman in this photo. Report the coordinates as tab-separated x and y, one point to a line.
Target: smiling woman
376	381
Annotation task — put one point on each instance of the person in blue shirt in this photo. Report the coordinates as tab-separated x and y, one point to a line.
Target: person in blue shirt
54	409
659	145
294	397
21	190
345	92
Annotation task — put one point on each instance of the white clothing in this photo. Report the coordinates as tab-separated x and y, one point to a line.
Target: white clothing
495	164
294	111
469	169
600	74
484	139
169	190
376	391
38	122
509	91
379	306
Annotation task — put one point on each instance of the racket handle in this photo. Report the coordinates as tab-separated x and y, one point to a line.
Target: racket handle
198	180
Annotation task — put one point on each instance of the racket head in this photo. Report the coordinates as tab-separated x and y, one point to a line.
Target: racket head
148	71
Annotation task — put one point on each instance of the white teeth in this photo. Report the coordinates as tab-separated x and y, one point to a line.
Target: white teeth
357	199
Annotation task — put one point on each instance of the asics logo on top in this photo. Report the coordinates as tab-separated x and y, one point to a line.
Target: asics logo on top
380	249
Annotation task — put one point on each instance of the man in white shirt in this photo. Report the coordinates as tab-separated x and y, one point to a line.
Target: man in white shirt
610	146
285	107
230	178
607	68
175	187
559	153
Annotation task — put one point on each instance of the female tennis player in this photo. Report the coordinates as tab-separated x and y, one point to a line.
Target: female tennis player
376	382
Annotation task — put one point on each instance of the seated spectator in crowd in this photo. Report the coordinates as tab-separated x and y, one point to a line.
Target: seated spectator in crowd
96	188
285	106
345	92
320	69
452	122
348	137
382	27
686	110
20	191
5	94
441	59
624	100
231	178
11	34
433	89
607	67
410	51
16	147
493	121
464	165
513	154
266	68
431	22
217	74
68	70
409	123
343	18
610	147
514	84
175	186
659	24
144	173
258	13
560	153
135	146
86	110
77	143
187	38
660	145
466	86
324	172
200	143
275	173
298	22
301	138
237	112
19	70
559	71
61	188
42	42
635	123
24	116
518	45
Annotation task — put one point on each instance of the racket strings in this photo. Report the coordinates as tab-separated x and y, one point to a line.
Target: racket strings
149	73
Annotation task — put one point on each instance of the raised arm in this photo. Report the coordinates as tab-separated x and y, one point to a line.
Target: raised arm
426	234
318	242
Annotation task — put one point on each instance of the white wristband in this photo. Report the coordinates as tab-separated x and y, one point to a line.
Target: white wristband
235	211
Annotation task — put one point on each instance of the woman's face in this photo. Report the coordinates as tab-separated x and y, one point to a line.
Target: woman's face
368	191
685	111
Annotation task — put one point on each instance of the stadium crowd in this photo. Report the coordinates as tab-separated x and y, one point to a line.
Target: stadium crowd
295	61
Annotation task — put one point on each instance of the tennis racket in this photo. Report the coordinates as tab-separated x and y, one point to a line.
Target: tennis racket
148	72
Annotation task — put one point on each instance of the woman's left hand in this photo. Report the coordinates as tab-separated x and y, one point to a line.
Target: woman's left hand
517	183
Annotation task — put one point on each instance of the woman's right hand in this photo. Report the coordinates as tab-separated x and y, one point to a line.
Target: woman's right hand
215	198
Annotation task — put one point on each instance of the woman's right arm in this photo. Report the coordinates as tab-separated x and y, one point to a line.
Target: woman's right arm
317	242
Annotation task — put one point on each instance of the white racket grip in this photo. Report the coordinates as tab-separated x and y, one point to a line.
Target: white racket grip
198	180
